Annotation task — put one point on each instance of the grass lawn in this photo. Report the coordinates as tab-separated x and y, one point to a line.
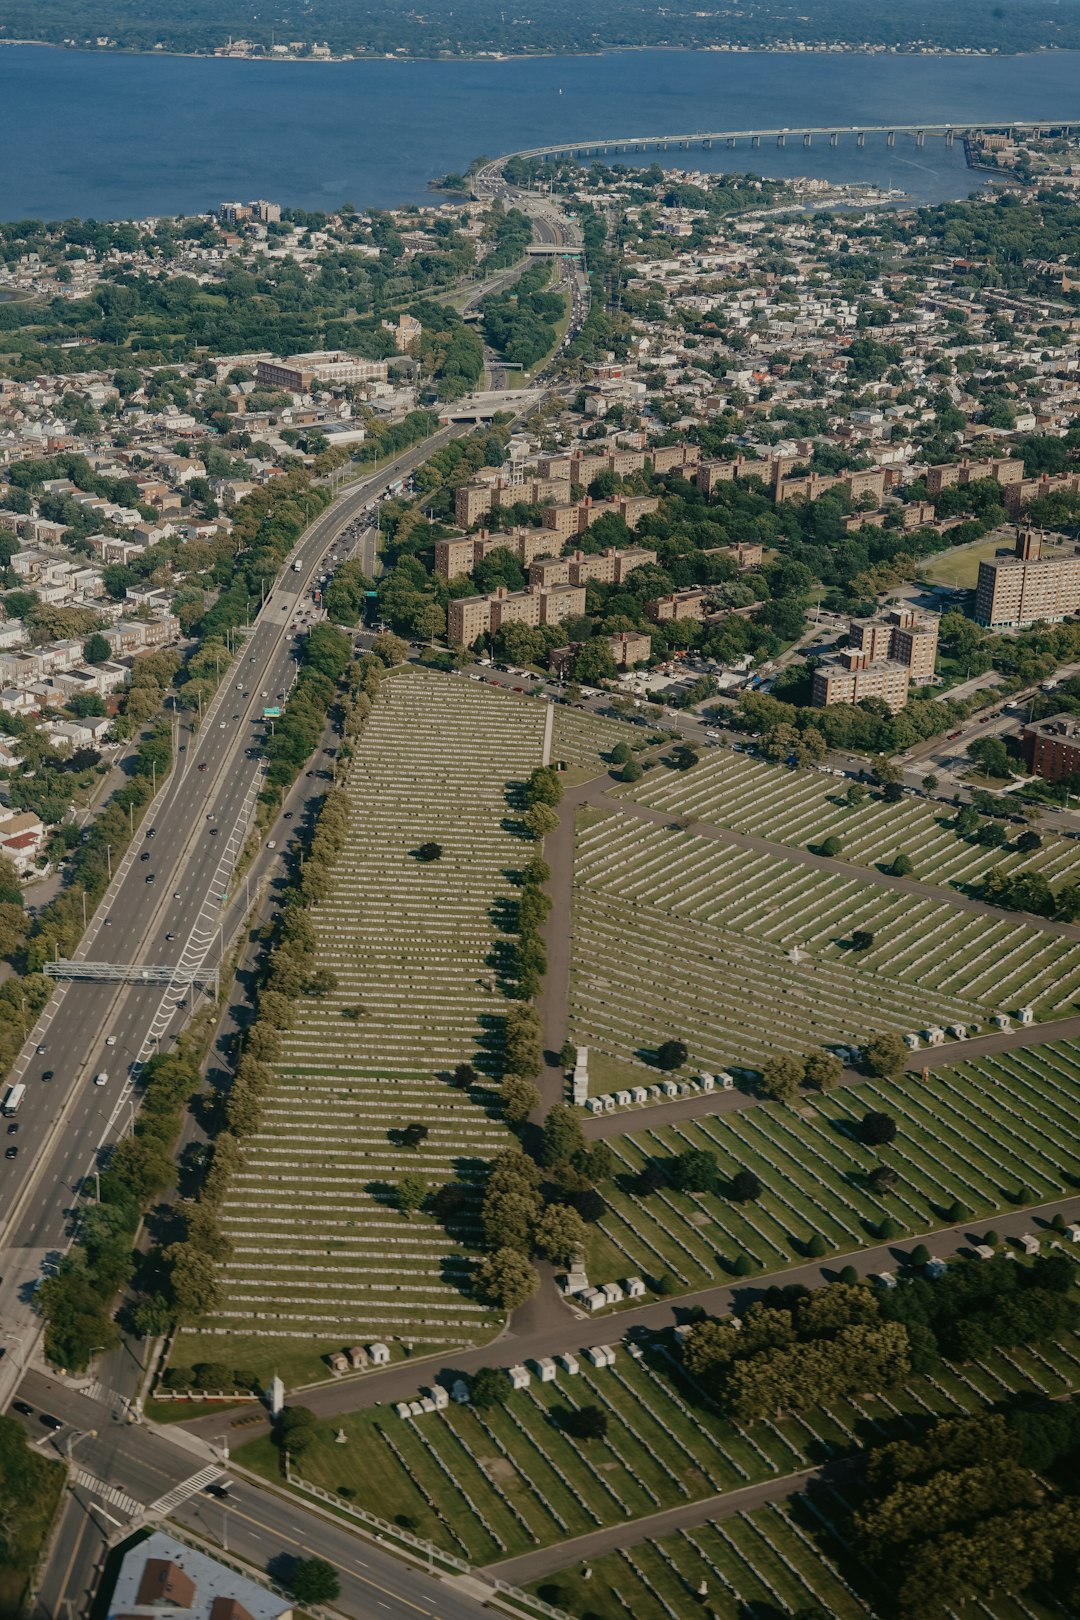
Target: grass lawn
488	1485
960	567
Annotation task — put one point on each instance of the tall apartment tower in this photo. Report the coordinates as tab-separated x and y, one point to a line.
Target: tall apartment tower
1027	587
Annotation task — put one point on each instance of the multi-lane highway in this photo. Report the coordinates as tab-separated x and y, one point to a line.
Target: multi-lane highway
165	907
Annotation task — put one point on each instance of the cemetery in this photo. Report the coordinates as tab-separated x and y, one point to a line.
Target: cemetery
996	1133
744	955
583	741
805	807
489	1484
321	1249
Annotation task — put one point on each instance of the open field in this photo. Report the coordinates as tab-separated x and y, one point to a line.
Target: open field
998	1132
493	1484
675	934
803	807
320	1253
960	567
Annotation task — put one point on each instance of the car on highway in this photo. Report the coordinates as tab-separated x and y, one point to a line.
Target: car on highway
110	1040
23	1407
221	727
150	878
151	831
13	1128
41	1051
170	936
221	1488
12	1152
202	767
176	894
101	1078
271	843
214	832
47	1074
51	1422
145	856
287	816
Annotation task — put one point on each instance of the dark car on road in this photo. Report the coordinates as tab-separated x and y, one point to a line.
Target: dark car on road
51	1422
21	1406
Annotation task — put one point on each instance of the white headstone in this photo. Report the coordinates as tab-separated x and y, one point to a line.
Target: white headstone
277	1396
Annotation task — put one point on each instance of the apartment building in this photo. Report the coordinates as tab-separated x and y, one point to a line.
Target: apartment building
1052	746
854	675
473	501
1004	469
460	556
690	603
472	616
575	517
902	636
1025	490
1026	586
608	567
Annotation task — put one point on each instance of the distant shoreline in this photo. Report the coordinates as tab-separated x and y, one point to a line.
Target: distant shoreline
494	57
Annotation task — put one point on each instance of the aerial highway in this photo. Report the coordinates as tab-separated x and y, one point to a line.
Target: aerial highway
165	907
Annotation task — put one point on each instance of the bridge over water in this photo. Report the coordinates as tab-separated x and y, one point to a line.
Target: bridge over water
833	133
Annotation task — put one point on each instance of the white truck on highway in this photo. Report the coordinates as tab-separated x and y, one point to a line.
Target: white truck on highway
12	1100
296	566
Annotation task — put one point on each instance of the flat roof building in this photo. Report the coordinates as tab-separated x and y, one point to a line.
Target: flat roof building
1052	746
1026	586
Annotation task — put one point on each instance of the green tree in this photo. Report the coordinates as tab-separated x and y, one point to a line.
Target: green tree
781	1078
672	1054
822	1070
560	1233
97	650
563	1136
488	1387
409	1194
506	1279
885	1055
313	1580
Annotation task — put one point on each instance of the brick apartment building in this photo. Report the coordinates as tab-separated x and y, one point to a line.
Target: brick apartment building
627	647
690	603
609	567
460	556
1004	470
1025	587
474	501
1025	490
886	655
1052	746
470	617
575	517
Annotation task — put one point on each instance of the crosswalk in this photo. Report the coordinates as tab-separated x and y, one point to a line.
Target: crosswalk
180	1493
108	1493
108	1397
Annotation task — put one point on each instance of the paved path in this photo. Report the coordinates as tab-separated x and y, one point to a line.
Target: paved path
527	1337
585	1549
696	1106
554	995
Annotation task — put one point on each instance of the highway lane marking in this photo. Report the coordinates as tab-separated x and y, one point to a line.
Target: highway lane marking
365	1579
